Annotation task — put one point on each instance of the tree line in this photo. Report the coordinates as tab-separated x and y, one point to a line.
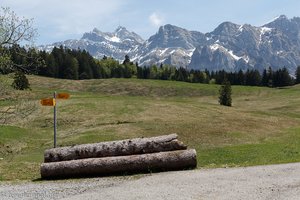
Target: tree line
79	64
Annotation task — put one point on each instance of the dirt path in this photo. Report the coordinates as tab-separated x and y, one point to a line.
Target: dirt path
261	182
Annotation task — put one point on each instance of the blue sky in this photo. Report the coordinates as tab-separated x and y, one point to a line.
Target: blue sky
58	20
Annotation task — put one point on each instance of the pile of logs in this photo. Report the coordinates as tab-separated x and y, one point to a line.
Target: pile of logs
160	153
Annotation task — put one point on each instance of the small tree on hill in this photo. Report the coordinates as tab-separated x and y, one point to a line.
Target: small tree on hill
20	81
225	94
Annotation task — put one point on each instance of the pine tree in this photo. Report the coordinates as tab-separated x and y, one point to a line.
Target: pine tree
298	75
127	71
127	60
70	67
240	78
51	67
20	81
265	78
153	72
181	74
286	79
270	77
225	94
252	78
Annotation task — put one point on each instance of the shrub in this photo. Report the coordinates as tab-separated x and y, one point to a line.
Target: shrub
225	94
20	81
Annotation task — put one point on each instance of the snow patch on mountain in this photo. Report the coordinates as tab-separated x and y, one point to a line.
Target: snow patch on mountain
216	46
264	30
241	28
230	46
114	39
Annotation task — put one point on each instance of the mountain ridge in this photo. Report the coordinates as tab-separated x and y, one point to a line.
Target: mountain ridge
229	46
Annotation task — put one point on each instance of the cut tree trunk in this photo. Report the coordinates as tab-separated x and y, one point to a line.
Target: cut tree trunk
162	161
115	148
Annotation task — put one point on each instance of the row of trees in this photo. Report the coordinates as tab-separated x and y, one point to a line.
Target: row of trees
269	78
76	64
79	64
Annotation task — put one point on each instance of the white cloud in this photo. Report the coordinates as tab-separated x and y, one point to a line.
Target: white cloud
156	19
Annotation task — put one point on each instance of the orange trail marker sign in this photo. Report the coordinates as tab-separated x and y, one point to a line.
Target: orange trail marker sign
52	102
48	102
63	96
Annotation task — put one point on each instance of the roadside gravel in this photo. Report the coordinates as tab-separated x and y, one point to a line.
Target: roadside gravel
259	182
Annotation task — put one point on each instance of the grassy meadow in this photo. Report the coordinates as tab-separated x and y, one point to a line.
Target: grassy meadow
262	126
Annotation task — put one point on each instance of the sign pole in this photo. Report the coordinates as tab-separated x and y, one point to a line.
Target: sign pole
55	120
52	102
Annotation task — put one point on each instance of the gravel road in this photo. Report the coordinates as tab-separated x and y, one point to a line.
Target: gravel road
260	182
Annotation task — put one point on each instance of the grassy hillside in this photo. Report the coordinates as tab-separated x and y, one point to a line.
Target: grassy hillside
262	127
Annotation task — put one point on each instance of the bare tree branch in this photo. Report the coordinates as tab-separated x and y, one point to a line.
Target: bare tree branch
14	29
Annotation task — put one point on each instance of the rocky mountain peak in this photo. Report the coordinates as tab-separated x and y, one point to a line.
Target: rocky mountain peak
233	47
168	28
95	30
230	46
281	18
286	27
281	21
172	36
120	29
226	28
122	33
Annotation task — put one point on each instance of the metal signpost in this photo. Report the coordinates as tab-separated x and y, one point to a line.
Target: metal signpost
52	102
54	118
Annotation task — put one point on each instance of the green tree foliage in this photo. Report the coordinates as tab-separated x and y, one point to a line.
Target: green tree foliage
77	64
5	61
51	65
240	78
13	58
181	74
252	78
127	60
282	78
267	77
297	74
225	94
129	69
154	72
264	79
220	76
20	81
70	67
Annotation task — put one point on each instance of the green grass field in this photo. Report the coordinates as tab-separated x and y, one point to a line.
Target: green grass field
262	126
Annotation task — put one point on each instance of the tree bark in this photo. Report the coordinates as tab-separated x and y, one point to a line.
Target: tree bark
162	161
115	148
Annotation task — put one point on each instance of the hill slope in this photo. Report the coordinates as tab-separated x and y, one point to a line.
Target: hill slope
262	127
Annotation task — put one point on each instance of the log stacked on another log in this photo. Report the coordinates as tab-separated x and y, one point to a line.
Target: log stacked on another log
137	155
115	148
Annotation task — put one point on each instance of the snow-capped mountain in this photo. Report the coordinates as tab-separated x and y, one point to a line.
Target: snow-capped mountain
230	46
116	44
170	45
233	47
